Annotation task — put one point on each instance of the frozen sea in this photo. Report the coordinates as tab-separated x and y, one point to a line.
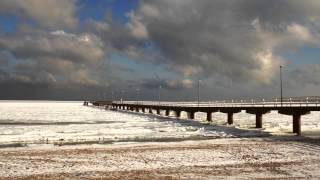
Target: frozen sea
58	122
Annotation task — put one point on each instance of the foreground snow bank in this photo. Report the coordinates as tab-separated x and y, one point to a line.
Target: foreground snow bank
274	157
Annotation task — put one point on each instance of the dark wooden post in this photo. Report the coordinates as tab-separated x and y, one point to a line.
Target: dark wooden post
258	120
150	110
297	123
178	114
190	115
158	111
167	112
230	118
209	116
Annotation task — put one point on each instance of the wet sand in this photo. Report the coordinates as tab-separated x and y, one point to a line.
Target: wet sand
229	158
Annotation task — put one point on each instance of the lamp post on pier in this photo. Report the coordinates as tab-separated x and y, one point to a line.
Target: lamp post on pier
198	92
281	98
159	94
122	92
137	95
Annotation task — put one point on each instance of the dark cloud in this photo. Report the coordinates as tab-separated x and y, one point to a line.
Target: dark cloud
83	48
234	46
153	84
304	75
53	14
116	36
234	38
53	58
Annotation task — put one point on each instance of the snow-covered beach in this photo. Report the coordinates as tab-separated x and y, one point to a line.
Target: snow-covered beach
231	158
66	139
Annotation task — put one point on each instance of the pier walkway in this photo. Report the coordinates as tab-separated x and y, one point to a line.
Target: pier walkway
294	108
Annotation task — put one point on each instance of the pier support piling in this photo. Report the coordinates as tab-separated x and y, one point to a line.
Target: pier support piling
178	114
167	112
150	111
230	118
297	123
209	116
158	111
296	119
190	115
259	113
259	120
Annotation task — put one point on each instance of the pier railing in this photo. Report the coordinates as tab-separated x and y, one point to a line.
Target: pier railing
296	107
252	103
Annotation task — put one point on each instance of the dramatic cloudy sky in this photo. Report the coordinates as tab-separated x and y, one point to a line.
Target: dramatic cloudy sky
87	49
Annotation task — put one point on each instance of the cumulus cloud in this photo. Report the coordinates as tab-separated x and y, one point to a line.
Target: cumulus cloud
234	44
52	57
137	28
236	38
83	48
170	84
305	75
48	13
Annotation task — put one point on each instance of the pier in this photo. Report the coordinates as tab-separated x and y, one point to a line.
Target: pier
296	109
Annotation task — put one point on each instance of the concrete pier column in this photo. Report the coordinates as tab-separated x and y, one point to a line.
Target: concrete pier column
143	110
150	110
167	112
297	123
230	118
209	116
158	111
190	115
137	109
259	120
178	114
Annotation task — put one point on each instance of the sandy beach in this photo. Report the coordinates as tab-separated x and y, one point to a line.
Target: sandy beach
231	158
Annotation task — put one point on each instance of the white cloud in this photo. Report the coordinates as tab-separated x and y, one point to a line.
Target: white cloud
137	28
48	13
300	32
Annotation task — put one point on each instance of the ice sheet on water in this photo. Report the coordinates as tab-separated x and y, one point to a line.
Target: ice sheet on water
37	121
25	121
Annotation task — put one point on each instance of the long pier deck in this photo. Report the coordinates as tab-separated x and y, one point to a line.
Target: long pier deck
295	109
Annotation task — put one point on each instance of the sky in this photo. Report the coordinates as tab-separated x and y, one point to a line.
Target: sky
140	49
